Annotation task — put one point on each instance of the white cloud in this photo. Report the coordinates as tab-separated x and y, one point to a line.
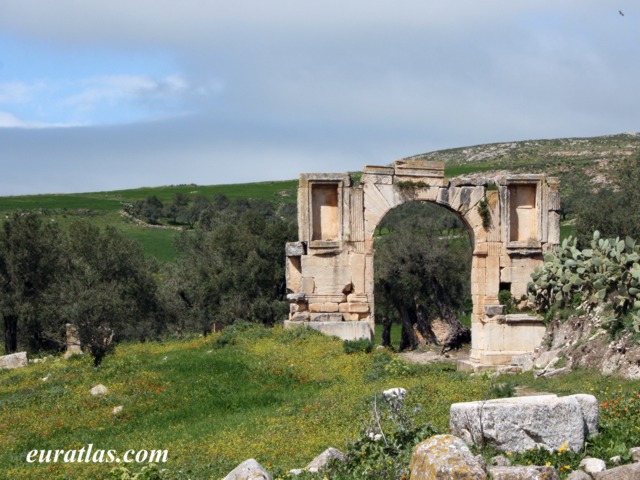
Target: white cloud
19	92
351	82
110	89
11	121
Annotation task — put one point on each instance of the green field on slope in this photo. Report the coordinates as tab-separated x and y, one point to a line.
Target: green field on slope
280	396
103	208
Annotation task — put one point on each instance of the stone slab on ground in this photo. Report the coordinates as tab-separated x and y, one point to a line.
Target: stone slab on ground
520	423
523	473
624	472
579	475
14	360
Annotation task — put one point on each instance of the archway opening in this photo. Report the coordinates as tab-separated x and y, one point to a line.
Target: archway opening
422	274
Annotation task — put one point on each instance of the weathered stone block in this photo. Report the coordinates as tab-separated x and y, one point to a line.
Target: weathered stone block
523	473
518	424
524	361
492	310
324	458
294	249
444	456
340	329
326	317
579	475
593	465
249	470
329	307
624	472
308	285
358	307
315	307
73	341
14	360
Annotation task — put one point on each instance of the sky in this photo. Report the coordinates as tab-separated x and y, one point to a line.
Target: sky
114	94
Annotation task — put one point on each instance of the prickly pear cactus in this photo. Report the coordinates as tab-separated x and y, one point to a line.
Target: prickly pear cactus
608	271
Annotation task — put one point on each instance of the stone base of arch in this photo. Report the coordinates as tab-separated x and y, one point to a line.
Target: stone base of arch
511	220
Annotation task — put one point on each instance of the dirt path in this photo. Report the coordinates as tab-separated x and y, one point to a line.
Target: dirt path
432	354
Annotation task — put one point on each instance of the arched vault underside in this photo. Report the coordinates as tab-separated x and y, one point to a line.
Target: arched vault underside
512	221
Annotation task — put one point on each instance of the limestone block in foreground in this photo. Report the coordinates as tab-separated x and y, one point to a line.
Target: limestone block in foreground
579	475
521	423
14	360
248	470
445	457
523	473
625	472
593	465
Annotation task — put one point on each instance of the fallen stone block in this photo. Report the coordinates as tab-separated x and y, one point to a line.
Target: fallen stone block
624	472
521	423
445	456
523	360
14	360
523	473
249	470
546	359
593	465
579	475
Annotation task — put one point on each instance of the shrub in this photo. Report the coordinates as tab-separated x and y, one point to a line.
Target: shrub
383	449
355	346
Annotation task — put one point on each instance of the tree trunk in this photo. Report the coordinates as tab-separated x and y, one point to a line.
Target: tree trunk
423	327
408	341
386	331
10	334
458	333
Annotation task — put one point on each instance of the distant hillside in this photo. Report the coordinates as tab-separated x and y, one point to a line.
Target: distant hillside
559	156
574	160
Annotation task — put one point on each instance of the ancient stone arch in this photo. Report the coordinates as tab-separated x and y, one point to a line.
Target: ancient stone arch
512	221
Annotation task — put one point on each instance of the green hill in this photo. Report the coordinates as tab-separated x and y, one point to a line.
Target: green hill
104	208
577	161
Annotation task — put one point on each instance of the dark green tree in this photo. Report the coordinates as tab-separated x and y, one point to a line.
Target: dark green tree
614	209
108	291
177	210
152	209
422	271
30	260
233	270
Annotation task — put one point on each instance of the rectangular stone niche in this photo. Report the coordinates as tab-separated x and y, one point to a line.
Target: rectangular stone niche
324	211
523	212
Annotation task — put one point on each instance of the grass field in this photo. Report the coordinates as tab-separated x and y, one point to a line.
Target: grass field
278	396
108	201
102	208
